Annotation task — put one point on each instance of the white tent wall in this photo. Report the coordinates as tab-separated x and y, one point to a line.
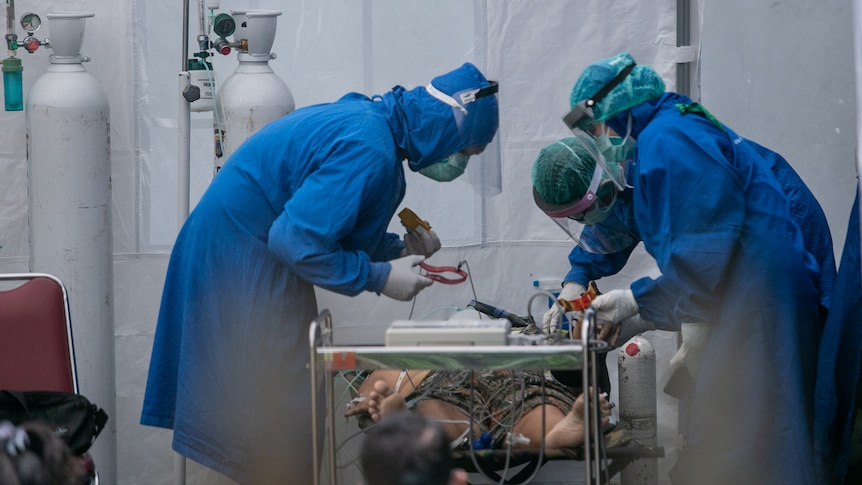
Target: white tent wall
780	73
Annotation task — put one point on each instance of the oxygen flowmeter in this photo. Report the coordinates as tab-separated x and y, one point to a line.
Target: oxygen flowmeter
201	90
13	93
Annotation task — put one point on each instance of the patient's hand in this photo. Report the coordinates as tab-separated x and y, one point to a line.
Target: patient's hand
358	405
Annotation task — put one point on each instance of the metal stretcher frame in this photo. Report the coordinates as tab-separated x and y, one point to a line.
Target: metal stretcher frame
565	356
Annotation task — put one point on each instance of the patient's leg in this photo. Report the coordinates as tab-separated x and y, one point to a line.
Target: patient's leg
563	430
383	400
569	432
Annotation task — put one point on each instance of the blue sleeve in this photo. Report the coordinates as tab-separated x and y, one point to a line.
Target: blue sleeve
338	216
690	207
587	266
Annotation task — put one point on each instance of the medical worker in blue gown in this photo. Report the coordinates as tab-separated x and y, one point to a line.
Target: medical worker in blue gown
838	406
737	278
304	202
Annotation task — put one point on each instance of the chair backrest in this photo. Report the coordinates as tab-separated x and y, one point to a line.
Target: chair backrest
36	347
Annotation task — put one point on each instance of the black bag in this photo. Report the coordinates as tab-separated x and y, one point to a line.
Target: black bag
72	416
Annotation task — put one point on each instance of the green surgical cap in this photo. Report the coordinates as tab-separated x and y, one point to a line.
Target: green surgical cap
642	84
563	170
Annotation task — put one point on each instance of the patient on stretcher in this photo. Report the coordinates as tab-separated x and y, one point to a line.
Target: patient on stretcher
504	409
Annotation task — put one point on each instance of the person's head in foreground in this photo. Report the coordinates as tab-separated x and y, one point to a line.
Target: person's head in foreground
31	454
408	449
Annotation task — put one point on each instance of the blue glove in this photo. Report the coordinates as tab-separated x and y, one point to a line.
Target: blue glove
403	283
421	241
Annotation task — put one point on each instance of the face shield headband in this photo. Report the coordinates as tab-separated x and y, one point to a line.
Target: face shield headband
467	97
583	110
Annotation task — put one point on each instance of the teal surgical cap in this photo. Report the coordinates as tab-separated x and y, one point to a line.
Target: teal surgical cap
563	171
642	84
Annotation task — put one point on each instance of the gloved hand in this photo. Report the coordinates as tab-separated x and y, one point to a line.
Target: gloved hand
617	335
421	241
615	306
685	364
403	283
554	316
694	337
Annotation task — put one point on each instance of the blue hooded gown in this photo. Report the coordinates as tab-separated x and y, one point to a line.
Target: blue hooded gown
305	201
721	228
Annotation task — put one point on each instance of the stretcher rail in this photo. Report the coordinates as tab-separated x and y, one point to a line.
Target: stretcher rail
558	356
567	354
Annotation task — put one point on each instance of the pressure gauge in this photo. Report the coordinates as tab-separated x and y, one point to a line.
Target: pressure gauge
31	22
224	25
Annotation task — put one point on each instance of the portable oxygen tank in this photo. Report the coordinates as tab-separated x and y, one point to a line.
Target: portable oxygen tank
68	156
253	95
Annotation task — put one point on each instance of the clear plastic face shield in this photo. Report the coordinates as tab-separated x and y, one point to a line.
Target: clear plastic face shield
594	207
614	150
454	165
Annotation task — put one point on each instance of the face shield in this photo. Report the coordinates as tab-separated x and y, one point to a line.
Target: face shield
560	173
615	152
581	121
454	165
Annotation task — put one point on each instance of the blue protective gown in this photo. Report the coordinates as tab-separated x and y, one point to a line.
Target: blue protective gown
804	207
838	391
305	201
720	227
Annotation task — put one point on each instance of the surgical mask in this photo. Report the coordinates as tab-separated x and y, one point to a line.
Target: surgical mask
616	151
447	169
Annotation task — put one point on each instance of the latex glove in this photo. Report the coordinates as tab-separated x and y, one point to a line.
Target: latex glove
617	335
690	353
421	241
403	283
553	317
615	306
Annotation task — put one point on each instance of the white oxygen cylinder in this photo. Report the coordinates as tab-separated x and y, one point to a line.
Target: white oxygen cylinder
637	394
253	95
68	155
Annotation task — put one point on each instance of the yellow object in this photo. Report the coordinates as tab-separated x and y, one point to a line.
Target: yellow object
411	221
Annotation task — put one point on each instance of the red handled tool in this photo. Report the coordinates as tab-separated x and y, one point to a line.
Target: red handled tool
436	273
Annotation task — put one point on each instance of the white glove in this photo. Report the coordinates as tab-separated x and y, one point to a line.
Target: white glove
422	242
615	306
628	328
690	353
554	316
403	283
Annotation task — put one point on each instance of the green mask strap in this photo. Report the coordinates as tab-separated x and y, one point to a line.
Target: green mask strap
698	108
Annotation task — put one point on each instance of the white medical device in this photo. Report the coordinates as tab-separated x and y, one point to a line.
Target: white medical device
448	332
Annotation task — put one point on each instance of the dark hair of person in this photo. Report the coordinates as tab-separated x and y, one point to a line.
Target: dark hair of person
406	449
30	454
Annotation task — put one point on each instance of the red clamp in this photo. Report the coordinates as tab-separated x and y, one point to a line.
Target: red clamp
436	273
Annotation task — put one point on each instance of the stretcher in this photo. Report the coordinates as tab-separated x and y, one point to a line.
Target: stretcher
331	360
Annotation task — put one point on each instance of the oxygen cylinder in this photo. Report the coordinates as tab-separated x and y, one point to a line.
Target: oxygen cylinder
637	394
253	95
68	155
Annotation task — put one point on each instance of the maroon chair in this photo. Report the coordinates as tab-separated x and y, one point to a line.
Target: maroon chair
37	352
